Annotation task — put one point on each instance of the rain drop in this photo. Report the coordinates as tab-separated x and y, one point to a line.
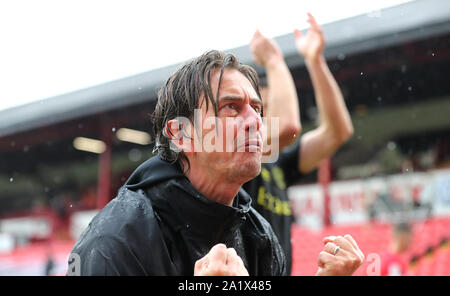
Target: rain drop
391	145
11	179
409	88
361	73
135	155
113	129
403	69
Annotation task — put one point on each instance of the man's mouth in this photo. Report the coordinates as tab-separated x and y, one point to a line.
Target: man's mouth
250	145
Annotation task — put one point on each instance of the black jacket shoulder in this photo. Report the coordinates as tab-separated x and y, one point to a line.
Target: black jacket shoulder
159	224
115	240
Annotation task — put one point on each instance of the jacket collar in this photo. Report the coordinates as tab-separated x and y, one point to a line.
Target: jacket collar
153	171
180	204
189	211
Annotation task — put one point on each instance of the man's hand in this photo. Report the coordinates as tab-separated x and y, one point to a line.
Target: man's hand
264	50
220	261
341	256
311	45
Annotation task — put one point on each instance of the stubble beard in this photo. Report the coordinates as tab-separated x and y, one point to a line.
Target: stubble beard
246	170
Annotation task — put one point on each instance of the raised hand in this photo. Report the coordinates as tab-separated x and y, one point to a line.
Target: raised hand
311	44
264	50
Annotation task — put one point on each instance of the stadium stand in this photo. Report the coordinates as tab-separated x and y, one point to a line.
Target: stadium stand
430	246
391	69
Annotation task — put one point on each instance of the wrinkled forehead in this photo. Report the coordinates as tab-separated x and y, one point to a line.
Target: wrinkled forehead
231	82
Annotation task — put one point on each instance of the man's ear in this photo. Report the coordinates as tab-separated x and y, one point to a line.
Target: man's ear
179	132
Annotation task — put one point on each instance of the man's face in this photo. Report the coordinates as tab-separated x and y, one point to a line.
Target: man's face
231	144
403	240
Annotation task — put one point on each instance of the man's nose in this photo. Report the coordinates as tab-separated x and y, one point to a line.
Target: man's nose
252	119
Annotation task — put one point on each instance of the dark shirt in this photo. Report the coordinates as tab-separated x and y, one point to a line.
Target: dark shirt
269	195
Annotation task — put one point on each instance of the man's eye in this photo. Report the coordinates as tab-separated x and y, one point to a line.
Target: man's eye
231	106
257	109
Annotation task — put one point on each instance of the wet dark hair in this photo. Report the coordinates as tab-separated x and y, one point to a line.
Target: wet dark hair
181	94
263	81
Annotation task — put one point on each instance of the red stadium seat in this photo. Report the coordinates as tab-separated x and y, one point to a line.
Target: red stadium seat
374	239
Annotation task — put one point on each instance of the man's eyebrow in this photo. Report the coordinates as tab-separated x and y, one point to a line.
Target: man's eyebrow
256	100
231	98
253	100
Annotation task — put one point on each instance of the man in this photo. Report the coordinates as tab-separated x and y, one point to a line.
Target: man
268	190
393	262
183	212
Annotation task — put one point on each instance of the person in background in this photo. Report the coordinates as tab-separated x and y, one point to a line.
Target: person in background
299	155
392	263
49	262
49	265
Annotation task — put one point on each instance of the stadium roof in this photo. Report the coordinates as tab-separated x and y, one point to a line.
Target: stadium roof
406	22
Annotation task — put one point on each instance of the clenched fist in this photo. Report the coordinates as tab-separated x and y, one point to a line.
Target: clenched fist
220	261
340	256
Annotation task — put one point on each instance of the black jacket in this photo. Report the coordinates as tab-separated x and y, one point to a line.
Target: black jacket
159	224
270	198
